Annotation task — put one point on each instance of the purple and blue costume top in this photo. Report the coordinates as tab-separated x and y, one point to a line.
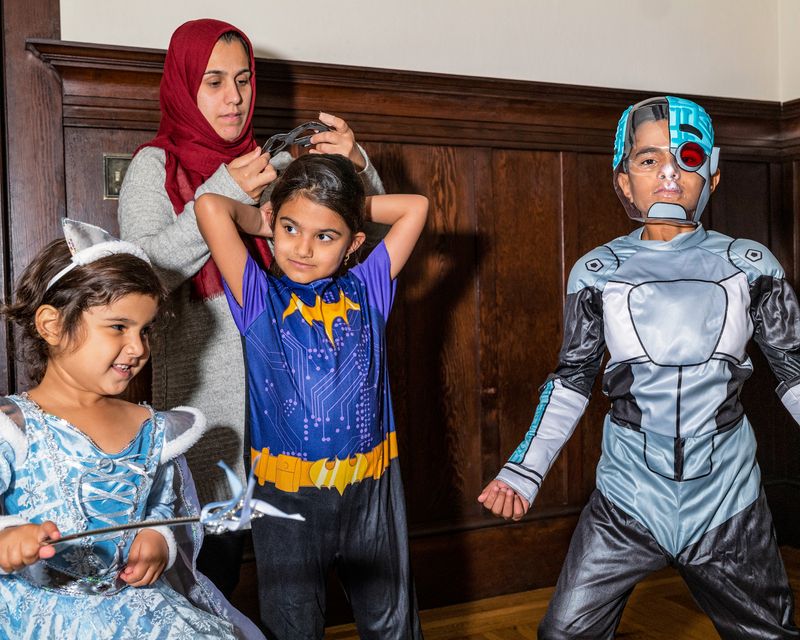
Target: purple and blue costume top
319	410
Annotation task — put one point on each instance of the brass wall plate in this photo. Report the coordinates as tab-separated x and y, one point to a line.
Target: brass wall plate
114	167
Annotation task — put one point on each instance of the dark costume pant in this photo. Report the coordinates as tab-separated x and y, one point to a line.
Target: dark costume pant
362	535
735	573
220	559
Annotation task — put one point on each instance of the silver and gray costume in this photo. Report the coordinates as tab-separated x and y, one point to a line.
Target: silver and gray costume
678	464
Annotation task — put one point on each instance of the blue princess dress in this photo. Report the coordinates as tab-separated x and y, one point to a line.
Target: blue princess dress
49	470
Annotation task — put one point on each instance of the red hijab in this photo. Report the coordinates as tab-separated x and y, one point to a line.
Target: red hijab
194	151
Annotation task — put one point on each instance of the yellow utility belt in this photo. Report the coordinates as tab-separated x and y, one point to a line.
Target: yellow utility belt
289	473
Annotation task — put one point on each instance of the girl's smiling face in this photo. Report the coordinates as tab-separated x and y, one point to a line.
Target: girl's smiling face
111	346
311	240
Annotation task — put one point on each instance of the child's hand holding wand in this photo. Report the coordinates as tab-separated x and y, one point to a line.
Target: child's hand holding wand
23	545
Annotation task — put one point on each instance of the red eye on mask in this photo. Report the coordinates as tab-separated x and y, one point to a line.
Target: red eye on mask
691	156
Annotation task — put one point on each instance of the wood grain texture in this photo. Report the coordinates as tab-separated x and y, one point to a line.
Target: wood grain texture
529	295
433	335
518	176
34	174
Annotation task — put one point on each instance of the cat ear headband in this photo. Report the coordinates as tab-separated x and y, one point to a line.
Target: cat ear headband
88	243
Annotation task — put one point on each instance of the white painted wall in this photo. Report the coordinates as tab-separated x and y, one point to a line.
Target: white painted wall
789	53
741	48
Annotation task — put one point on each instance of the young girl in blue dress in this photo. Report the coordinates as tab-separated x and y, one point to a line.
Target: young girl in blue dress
75	457
319	415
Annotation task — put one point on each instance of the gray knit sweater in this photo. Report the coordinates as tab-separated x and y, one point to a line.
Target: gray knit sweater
197	356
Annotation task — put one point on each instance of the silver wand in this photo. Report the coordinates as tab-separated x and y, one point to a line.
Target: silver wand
216	517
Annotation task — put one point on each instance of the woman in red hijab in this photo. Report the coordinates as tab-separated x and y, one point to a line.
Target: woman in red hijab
205	144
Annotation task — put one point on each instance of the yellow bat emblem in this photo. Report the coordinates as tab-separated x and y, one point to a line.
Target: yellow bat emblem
324	312
339	473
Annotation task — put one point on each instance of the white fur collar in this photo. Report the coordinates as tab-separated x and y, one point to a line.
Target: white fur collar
12	433
184	426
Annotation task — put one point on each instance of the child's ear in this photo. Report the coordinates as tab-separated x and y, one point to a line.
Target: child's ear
358	240
624	182
714	181
48	324
269	213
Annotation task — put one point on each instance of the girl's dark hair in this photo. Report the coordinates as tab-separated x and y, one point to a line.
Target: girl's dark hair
325	179
96	284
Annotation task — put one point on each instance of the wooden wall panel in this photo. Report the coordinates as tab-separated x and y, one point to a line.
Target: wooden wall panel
85	146
466	564
433	335
33	193
529	292
740	207
519	179
791	442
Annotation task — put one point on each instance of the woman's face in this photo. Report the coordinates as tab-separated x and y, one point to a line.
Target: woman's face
224	94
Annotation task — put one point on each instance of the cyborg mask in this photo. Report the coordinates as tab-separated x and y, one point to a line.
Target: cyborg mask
691	150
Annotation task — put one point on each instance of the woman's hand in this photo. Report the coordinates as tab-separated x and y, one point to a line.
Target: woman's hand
24	545
341	140
252	172
147	559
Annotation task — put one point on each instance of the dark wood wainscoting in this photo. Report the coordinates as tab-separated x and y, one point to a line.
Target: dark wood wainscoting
519	179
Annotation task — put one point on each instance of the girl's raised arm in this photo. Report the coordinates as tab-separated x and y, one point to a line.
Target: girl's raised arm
406	214
218	218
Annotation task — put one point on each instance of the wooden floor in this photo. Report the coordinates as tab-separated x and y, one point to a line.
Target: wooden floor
660	608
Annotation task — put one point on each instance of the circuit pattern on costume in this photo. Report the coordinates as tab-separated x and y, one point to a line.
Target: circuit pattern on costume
320	420
319	404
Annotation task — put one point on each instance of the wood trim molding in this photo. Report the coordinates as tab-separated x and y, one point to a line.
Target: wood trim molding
424	107
478	147
790	129
33	148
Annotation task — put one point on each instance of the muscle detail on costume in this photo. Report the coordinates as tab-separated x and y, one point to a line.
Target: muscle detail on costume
677	318
677	341
776	319
677	365
583	346
624	407
776	316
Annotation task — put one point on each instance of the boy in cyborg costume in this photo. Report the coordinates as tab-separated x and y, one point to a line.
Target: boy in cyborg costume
677	482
